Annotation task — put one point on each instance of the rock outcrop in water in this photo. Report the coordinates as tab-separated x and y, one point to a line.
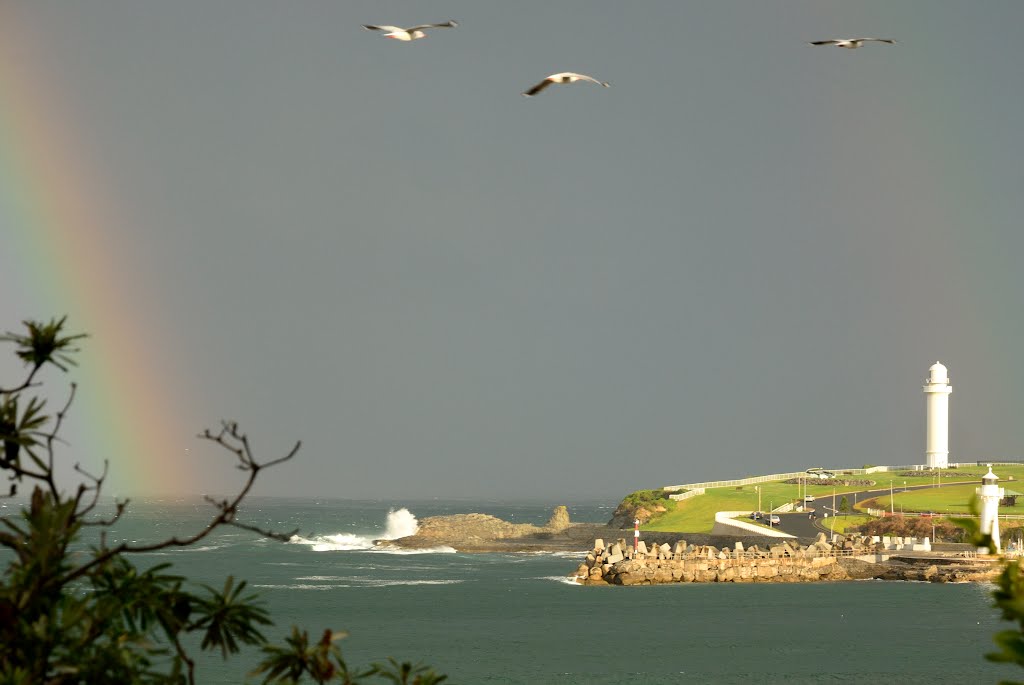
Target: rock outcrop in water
486	533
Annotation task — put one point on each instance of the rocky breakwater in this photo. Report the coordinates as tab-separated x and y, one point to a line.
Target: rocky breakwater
486	533
844	558
617	564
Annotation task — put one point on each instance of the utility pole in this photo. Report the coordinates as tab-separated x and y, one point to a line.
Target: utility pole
832	523
892	509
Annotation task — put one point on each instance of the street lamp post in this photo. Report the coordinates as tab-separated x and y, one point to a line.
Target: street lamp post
758	488
892	509
832	523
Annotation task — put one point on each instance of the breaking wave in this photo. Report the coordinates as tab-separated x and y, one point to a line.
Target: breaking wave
565	580
400	523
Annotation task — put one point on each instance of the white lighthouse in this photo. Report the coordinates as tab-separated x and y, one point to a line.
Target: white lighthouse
990	493
936	392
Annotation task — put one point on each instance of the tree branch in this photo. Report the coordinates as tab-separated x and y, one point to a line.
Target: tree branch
27	383
51	437
235	442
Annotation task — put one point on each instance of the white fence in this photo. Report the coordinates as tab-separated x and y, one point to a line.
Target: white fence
694	489
882	513
687	495
786	476
731	483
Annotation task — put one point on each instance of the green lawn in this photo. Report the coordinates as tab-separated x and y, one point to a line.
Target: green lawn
697	515
839	524
948	499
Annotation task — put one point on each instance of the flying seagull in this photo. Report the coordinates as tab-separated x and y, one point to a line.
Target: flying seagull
564	77
852	43
411	33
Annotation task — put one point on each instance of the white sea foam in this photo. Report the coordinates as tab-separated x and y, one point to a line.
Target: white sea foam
354	581
399	524
324	578
300	586
392	583
350	583
565	580
440	549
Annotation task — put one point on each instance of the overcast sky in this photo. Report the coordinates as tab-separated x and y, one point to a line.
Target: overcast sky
740	258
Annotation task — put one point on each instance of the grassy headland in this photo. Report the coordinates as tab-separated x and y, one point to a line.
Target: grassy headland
950	493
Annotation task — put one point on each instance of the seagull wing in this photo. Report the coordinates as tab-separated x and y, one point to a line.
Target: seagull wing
388	29
822	42
875	40
446	25
584	77
539	87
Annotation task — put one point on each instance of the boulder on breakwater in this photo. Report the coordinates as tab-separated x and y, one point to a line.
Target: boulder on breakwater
844	558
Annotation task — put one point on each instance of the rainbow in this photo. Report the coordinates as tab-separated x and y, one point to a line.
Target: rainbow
54	207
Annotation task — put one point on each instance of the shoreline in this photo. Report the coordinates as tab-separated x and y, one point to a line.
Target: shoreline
662	558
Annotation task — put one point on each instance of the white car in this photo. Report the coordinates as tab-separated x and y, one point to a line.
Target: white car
772	519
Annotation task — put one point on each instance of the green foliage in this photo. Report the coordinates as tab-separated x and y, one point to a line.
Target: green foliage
228	618
21	430
645	498
407	674
915	527
321	661
44	344
72	614
1008	595
844	505
1009	599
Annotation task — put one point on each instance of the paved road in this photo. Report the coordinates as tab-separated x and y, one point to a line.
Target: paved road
800	525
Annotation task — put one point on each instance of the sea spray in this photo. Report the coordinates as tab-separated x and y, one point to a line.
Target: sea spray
399	524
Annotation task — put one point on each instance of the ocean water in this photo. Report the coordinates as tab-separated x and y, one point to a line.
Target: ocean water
514	618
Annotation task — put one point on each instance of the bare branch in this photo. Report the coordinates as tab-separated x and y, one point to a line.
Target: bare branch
95	488
18	472
235	442
25	384
51	437
282	537
111	521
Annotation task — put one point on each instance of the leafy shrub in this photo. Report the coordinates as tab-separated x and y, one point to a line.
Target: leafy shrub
646	498
70	616
914	526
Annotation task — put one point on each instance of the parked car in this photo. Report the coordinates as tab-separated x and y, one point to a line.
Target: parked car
772	520
756	515
808	498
